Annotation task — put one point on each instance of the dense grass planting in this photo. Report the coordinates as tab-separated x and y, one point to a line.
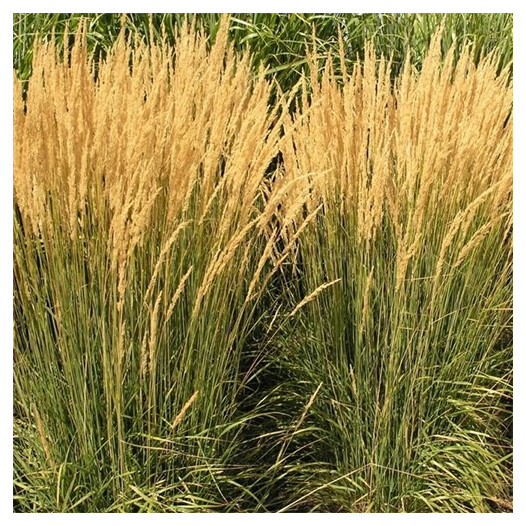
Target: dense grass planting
236	292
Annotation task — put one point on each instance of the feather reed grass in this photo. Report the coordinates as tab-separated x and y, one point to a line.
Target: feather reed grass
140	218
414	222
356	232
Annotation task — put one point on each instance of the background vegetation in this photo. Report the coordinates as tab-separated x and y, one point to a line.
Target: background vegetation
277	41
288	291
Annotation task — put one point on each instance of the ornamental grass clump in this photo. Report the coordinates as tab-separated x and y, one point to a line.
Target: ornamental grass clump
231	298
412	339
143	243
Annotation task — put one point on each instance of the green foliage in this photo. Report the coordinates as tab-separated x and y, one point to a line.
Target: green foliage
277	41
414	412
